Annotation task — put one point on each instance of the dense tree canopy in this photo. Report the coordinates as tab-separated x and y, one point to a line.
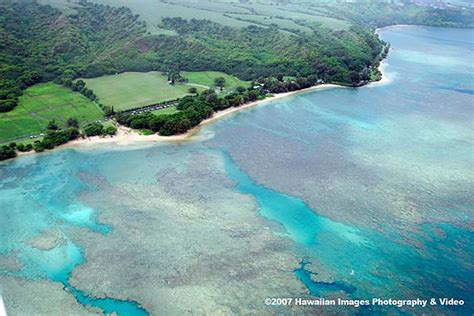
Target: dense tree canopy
254	52
38	43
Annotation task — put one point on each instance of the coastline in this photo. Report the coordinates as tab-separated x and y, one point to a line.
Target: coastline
126	136
384	79
388	27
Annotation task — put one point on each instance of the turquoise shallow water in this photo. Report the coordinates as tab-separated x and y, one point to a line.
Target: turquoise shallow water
373	185
391	164
48	199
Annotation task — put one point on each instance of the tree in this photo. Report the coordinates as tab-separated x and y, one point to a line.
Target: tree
38	147
7	152
52	125
157	122
110	130
7	105
240	89
253	95
220	82
24	148
56	138
93	129
193	90
174	76
355	77
72	122
108	110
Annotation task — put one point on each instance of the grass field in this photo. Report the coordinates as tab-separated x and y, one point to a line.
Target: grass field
41	104
170	110
267	21
229	13
206	78
152	11
136	89
300	12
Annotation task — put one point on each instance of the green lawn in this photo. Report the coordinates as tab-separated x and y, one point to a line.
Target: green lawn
40	104
170	110
136	89
206	78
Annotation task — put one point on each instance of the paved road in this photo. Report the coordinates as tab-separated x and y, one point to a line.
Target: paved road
150	108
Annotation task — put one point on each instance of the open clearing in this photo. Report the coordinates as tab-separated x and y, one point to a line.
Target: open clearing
153	11
167	111
206	78
131	90
225	12
42	103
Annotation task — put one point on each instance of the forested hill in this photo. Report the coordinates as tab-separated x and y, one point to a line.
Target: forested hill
40	43
255	52
380	13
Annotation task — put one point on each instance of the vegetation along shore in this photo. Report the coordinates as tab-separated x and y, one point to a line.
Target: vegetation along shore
125	135
85	79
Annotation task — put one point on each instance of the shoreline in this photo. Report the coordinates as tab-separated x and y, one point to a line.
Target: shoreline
394	26
126	136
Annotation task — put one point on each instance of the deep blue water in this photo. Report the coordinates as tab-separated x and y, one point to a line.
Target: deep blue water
319	288
372	185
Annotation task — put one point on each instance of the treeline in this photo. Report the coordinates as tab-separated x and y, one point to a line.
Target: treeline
192	111
52	138
80	86
55	137
254	52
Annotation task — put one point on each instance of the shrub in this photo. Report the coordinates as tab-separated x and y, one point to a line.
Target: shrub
56	138
38	147
7	105
72	122
7	152
52	125
24	148
94	129
110	130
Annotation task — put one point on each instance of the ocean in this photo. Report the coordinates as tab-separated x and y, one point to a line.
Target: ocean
342	194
